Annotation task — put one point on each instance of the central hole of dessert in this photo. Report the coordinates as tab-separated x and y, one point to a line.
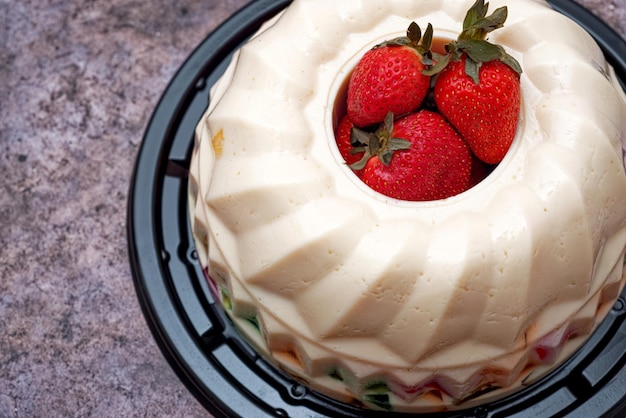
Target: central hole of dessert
403	130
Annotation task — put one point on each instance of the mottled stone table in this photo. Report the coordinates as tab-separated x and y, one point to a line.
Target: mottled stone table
78	82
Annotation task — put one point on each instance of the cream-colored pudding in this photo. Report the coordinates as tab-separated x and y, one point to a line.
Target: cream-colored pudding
410	306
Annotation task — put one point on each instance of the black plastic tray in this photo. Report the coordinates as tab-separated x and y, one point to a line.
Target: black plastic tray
199	342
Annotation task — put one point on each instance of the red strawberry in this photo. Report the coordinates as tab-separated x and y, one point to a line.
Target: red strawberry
478	86
418	157
485	114
342	136
389	78
480	171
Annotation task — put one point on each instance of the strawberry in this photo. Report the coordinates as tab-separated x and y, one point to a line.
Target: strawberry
418	157
350	154
389	78
485	114
480	171
477	87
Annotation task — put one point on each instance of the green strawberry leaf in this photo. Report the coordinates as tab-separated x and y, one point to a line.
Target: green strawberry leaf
472	42
374	146
359	137
511	62
436	63
414	33
399	41
427	40
397	144
480	27
359	165
493	22
475	13
387	127
360	141
472	69
379	143
357	150
413	39
480	51
385	157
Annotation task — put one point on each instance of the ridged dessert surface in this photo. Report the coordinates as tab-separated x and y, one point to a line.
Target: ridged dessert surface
336	276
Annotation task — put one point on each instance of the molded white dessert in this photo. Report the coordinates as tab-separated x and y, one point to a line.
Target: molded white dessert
410	306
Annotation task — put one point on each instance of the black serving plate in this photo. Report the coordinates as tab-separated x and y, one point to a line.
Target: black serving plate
200	343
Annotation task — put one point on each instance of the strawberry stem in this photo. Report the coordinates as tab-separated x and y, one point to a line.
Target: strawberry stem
472	42
414	39
477	24
380	143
